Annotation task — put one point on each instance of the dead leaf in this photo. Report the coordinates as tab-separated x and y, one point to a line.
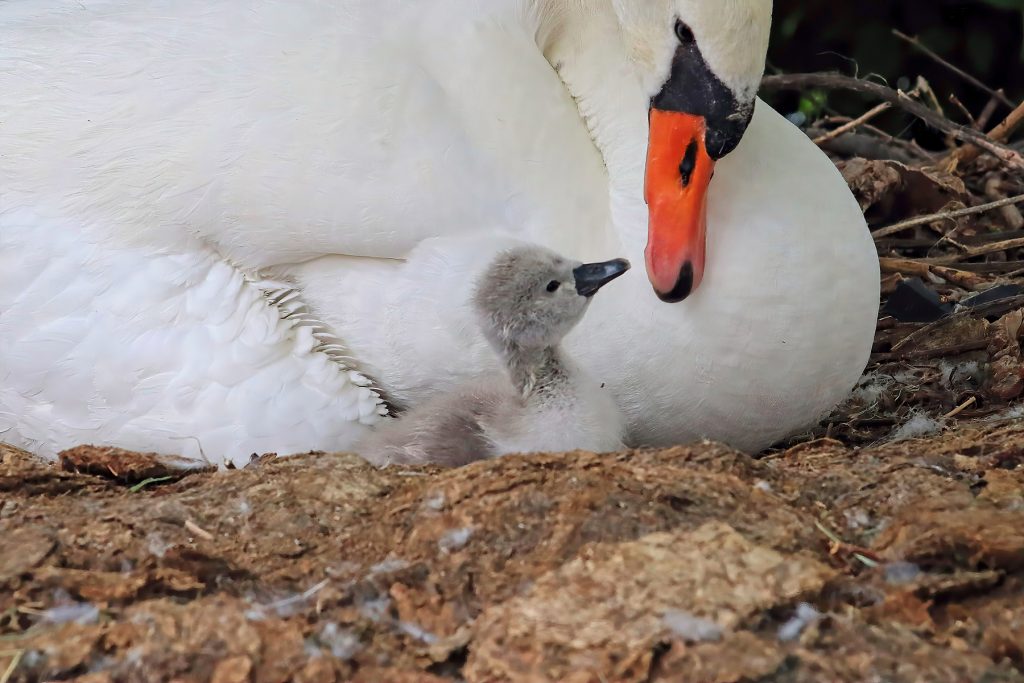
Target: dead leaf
889	191
870	180
1007	378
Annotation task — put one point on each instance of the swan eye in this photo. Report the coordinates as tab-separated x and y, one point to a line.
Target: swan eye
553	285
683	33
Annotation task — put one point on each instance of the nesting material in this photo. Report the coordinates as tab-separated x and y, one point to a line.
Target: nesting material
919	424
805	615
642	567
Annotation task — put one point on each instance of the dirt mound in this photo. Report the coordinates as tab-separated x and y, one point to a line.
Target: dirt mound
821	563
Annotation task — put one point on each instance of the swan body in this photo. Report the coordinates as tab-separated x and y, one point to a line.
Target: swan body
217	221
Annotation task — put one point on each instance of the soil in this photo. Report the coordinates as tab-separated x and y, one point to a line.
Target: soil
823	562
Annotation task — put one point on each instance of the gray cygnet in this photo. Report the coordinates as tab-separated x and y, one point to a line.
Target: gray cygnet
525	302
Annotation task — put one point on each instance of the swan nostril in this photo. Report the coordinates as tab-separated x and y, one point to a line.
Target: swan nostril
684	34
688	164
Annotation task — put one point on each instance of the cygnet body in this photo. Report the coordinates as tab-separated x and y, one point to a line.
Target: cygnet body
525	302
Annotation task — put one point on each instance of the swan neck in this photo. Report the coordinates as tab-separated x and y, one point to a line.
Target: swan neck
584	44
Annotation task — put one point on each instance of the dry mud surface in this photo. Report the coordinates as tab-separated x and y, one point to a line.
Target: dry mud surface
901	562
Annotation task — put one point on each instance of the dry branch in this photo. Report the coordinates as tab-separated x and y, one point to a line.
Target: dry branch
923	269
1000	133
899	99
917	44
946	215
850	125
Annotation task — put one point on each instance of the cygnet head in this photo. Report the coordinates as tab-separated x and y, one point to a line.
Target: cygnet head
530	297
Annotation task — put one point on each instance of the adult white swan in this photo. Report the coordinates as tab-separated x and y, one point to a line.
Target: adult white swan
205	211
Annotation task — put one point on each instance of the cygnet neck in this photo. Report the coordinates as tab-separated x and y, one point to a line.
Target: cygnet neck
535	371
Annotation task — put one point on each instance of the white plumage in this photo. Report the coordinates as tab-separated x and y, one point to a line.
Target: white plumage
159	159
174	352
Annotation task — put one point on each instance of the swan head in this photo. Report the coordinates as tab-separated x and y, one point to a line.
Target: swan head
700	62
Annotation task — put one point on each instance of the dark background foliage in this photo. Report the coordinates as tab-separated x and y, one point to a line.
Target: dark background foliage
983	37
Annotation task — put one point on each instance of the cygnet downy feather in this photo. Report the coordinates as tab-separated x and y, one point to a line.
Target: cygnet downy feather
525	303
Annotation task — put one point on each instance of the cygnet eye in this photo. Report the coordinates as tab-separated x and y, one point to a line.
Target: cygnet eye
554	285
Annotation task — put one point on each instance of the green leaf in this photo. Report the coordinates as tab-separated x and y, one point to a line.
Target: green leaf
146	482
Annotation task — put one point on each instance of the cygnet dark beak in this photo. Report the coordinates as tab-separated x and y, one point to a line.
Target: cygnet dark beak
591	277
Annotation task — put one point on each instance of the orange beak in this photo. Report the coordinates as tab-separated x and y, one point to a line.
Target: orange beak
679	171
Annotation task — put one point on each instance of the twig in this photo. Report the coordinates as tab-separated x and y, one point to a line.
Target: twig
838	545
988	111
295	599
146	482
866	142
198	530
899	99
984	238
1011	214
997	307
1007	269
9	671
953	350
1000	133
926	329
906	266
200	444
946	215
961	278
981	250
965	111
924	88
923	270
955	69
967	242
1008	125
961	408
846	127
